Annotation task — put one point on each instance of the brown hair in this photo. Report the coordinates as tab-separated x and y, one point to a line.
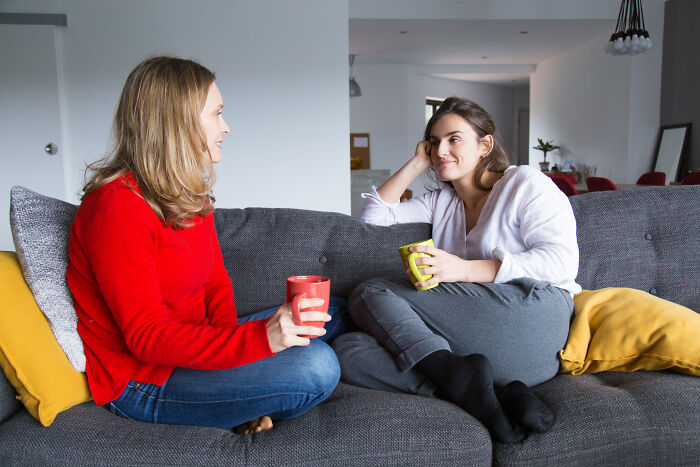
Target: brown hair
482	123
159	139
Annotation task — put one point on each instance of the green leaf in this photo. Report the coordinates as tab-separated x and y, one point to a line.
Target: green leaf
545	146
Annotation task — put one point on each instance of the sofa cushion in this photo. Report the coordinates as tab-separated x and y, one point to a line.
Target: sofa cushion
9	403
41	228
354	426
273	244
624	329
30	357
644	239
640	418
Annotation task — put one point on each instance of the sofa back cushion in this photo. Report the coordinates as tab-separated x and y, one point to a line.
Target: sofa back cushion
646	239
263	246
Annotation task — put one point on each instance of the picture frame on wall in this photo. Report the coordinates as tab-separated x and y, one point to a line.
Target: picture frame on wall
359	151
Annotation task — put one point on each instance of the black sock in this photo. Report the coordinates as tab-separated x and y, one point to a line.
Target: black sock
468	382
523	406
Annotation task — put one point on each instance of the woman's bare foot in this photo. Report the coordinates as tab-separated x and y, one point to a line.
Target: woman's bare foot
256	425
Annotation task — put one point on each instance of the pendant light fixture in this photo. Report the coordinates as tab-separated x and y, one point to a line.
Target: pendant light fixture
354	87
630	36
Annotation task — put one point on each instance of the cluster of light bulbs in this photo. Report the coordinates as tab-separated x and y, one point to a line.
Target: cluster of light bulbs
630	36
629	43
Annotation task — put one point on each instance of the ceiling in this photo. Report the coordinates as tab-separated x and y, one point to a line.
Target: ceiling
495	51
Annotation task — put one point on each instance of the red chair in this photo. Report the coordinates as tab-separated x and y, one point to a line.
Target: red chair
569	177
600	184
652	178
691	179
564	183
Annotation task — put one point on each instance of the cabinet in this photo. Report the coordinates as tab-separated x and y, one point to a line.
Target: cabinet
361	181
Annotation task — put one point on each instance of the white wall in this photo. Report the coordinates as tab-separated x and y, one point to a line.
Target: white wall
602	110
281	66
582	109
392	110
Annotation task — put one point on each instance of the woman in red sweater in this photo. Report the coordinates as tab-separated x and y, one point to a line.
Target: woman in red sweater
155	304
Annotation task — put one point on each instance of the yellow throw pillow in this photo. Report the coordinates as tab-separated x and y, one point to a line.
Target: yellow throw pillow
620	329
30	356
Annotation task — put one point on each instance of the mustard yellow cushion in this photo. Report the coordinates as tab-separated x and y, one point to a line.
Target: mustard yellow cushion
31	358
619	329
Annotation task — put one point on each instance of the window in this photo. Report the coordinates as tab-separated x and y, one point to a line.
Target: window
431	106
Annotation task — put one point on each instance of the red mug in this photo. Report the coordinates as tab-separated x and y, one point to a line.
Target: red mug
299	287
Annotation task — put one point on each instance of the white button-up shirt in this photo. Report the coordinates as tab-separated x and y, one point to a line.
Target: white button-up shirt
526	222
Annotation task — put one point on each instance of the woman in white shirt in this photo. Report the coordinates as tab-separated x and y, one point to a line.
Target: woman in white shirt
506	258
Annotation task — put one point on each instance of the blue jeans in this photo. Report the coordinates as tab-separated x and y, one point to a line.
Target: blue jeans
283	386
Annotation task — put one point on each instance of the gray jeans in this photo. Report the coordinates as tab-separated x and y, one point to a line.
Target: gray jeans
520	326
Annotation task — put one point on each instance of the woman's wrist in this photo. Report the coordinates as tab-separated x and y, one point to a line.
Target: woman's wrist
482	270
392	189
420	163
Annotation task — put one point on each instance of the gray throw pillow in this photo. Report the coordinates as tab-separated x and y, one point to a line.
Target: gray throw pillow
40	229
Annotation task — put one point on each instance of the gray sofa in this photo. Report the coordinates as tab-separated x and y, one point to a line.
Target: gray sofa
647	239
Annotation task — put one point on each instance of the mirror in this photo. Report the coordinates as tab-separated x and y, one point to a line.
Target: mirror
670	149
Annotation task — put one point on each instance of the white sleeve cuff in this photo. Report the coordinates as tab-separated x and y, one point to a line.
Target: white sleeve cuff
505	271
373	195
377	211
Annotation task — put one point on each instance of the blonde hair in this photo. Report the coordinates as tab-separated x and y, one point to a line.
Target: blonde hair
482	123
159	139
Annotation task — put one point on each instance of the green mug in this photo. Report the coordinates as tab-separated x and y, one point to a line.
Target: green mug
410	257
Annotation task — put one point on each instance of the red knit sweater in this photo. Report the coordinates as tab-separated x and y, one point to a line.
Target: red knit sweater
150	298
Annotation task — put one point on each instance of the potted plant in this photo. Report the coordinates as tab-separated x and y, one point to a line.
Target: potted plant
545	147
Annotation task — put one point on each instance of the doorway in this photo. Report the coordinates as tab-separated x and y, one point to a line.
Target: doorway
29	116
523	136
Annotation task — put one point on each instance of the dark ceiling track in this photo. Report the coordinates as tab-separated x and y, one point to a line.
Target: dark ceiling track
34	19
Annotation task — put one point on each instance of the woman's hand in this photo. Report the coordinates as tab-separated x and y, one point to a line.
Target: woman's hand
446	267
394	187
283	333
422	156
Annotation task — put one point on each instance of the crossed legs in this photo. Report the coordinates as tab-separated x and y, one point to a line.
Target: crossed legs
474	344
